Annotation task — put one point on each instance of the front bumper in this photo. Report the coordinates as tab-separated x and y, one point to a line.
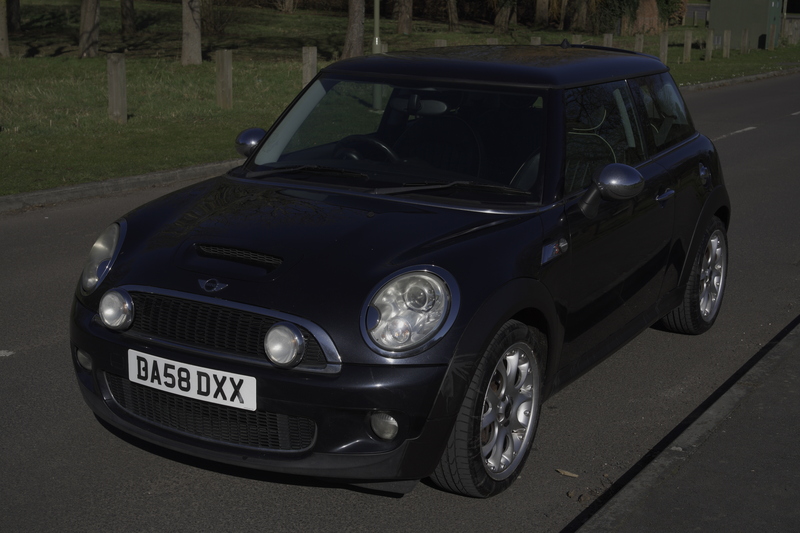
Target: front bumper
305	423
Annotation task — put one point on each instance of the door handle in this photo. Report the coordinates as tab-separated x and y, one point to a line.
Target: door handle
666	195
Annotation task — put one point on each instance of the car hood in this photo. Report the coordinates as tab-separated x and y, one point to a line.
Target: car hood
311	253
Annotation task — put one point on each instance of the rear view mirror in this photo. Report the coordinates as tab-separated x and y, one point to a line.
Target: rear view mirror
615	182
248	140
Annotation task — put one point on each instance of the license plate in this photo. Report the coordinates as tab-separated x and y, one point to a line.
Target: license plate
204	384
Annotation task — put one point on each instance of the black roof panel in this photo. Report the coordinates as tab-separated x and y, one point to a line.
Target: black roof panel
540	66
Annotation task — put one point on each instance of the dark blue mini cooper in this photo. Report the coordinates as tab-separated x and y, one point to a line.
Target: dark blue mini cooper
420	251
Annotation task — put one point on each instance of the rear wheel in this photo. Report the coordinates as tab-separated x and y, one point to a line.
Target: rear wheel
497	422
706	285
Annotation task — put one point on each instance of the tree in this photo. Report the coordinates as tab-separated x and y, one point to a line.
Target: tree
285	6
354	38
14	17
4	50
562	16
89	30
128	14
192	50
503	15
452	15
404	14
542	17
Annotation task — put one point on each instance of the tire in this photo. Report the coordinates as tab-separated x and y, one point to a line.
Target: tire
496	425
706	286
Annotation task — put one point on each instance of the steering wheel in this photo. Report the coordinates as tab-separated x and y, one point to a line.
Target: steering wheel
359	147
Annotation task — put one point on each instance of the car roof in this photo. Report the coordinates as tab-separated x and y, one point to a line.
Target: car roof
549	66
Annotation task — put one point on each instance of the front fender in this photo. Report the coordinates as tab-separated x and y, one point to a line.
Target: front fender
526	300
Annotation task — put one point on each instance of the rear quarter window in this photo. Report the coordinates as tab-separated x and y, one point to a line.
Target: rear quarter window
666	121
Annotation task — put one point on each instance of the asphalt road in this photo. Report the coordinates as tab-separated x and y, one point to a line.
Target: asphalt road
60	469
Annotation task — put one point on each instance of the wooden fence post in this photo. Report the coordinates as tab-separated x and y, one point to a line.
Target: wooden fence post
745	41
224	61
771	41
576	39
440	43
492	40
117	89
663	49
608	40
726	44
687	47
639	46
536	41
309	64
709	45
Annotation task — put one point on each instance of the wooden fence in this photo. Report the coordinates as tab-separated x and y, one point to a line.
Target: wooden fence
117	84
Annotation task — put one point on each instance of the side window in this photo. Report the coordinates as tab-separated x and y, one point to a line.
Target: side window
666	120
601	129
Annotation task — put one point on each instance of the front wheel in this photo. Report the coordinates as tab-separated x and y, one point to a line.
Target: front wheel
706	286
492	436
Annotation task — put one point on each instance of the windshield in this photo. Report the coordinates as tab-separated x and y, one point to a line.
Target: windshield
427	140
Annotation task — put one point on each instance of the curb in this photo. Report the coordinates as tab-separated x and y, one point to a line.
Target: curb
31	200
753	373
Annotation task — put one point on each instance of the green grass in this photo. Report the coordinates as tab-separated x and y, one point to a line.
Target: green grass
54	125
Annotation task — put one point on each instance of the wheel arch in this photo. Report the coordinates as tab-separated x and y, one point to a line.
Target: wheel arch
717	205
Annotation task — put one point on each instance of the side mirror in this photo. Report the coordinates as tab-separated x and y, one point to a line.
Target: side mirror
615	182
248	140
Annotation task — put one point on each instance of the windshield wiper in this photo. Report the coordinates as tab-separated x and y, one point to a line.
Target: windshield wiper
411	187
303	168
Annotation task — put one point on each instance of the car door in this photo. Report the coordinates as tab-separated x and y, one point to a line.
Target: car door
673	143
617	257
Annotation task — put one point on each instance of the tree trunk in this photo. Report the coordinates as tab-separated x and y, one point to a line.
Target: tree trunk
285	6
128	14
503	16
192	50
406	8
562	14
452	15
354	39
14	17
4	50
580	22
89	36
542	12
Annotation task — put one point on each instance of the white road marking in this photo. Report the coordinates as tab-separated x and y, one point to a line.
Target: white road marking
6	353
795	114
735	133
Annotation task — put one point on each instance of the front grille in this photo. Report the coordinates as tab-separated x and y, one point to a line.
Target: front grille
211	327
240	256
255	429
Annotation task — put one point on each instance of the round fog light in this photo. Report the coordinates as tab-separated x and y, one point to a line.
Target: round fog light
284	344
84	359
116	309
384	425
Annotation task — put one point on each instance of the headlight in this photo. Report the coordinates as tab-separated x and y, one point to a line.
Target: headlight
408	311
100	258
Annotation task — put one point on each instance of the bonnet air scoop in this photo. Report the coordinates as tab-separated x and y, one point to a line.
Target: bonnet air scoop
239	255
